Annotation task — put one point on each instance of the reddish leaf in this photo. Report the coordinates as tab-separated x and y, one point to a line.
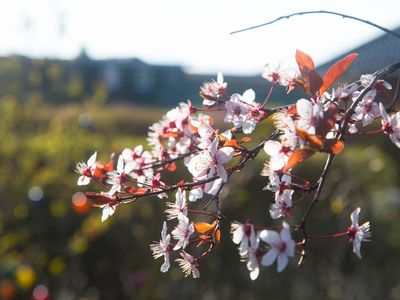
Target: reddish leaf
292	110
336	71
315	82
231	143
312	80
314	141
130	189
96	199
305	63
171	167
218	236
245	139
330	118
333	146
297	157
203	227
141	191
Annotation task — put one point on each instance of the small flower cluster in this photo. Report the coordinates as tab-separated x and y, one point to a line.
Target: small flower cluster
316	123
184	234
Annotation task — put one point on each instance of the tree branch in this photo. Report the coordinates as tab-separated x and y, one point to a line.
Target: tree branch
391	32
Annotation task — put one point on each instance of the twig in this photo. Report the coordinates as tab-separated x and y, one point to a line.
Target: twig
215	198
395	97
317	193
321	12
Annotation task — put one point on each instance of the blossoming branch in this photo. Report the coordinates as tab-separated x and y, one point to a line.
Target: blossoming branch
321	122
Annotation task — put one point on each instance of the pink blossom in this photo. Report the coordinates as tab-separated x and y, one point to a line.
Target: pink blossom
281	75
283	197
86	170
177	208
391	125
109	209
188	265
209	162
212	91
310	113
279	154
182	232
163	248
358	233
282	247
241	234
253	256
119	177
243	111
367	110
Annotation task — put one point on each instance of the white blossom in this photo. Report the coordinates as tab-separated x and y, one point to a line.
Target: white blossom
310	113
391	125
177	208
358	233
367	110
163	248
188	265
182	232
282	247
86	170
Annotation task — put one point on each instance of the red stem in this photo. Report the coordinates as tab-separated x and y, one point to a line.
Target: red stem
326	237
268	96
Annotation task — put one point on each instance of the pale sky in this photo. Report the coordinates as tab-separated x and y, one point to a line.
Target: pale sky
194	34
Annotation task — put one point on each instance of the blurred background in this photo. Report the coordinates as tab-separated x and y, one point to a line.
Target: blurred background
79	76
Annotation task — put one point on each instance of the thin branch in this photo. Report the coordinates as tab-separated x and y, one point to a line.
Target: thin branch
317	193
395	34
395	97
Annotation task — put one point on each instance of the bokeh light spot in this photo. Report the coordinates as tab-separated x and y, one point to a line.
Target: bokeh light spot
35	193
40	293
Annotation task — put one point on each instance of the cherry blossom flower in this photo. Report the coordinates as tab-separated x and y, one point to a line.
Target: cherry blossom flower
367	110
253	256
310	113
284	122
163	248
119	177
138	161
109	209
177	208
241	234
282	247
209	162
243	111
188	265
391	125
281	75
283	202
86	170
214	90
206	133
182	232
279	154
283	197
358	233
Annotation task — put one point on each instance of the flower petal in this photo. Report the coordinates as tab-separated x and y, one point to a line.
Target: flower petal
282	262
269	258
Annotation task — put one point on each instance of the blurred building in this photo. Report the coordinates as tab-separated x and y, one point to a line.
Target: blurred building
122	80
372	56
